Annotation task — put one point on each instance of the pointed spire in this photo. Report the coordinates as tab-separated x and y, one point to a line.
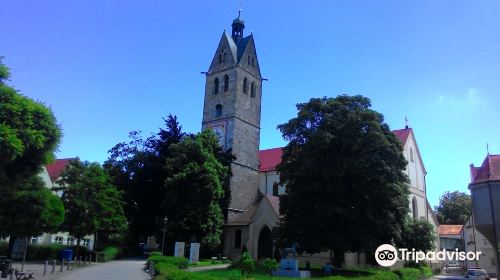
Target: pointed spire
238	26
406	122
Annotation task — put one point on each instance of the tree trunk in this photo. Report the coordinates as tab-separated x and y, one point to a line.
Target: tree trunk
12	239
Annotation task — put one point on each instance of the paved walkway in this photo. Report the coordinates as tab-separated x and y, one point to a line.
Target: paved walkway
208	267
116	270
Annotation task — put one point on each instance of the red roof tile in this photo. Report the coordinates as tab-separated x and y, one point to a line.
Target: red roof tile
270	158
450	229
55	169
402	134
489	170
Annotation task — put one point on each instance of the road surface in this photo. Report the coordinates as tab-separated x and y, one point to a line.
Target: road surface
131	269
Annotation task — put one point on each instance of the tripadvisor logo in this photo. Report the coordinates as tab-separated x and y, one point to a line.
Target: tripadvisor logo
387	255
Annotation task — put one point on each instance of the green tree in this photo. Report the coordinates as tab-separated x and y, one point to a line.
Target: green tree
92	203
343	168
454	208
418	234
138	169
29	135
194	189
270	265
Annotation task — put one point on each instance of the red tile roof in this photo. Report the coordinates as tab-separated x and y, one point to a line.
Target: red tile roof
489	170
402	134
450	229
270	158
54	169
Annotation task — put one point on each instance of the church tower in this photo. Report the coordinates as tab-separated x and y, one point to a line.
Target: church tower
233	92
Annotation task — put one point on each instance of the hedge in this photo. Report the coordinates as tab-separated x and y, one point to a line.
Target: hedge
408	273
170	268
43	252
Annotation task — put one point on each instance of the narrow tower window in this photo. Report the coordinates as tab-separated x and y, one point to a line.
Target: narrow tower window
218	110
411	155
237	239
224	58
220	59
252	89
414	208
226	83
216	86
253	61
245	85
248	60
275	189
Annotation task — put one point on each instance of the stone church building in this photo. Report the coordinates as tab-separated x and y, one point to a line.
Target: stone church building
232	108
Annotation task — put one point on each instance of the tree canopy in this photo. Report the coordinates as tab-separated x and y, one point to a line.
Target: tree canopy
418	234
29	136
92	203
454	208
343	171
194	189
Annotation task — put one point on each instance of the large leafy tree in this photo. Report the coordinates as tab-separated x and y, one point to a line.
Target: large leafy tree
92	203
138	169
29	135
418	234
453	208
194	189
343	171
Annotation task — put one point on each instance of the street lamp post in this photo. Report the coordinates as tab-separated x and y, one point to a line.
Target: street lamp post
164	231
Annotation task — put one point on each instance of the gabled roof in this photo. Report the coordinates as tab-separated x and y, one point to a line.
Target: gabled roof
270	158
402	134
450	229
238	47
55	169
488	171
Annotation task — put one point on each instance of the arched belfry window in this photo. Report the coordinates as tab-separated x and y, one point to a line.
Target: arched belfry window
252	89
245	85
411	155
226	83
216	86
218	110
414	208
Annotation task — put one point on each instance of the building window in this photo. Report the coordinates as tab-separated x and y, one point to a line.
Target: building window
224	58
226	83
252	89
414	208
411	155
275	188
220	59
69	240
253	61
248	60
218	110
86	243
245	85
237	239
34	240
58	240
216	86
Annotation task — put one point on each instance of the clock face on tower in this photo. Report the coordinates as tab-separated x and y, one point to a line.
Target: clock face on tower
220	132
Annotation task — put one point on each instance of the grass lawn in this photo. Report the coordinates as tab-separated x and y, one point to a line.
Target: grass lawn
206	263
261	274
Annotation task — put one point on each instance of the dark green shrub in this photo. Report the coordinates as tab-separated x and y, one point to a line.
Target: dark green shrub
112	253
408	273
4	248
246	264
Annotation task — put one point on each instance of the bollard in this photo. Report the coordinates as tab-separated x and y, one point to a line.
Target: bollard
53	266
45	268
67	264
85	262
80	261
74	263
62	265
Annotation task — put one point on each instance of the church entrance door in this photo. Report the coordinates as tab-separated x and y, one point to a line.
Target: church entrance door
265	245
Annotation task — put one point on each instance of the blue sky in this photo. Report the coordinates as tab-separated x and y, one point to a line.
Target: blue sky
108	67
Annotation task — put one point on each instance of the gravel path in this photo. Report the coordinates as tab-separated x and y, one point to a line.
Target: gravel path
116	270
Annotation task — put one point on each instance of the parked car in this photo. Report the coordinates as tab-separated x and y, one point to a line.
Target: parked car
452	264
476	273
